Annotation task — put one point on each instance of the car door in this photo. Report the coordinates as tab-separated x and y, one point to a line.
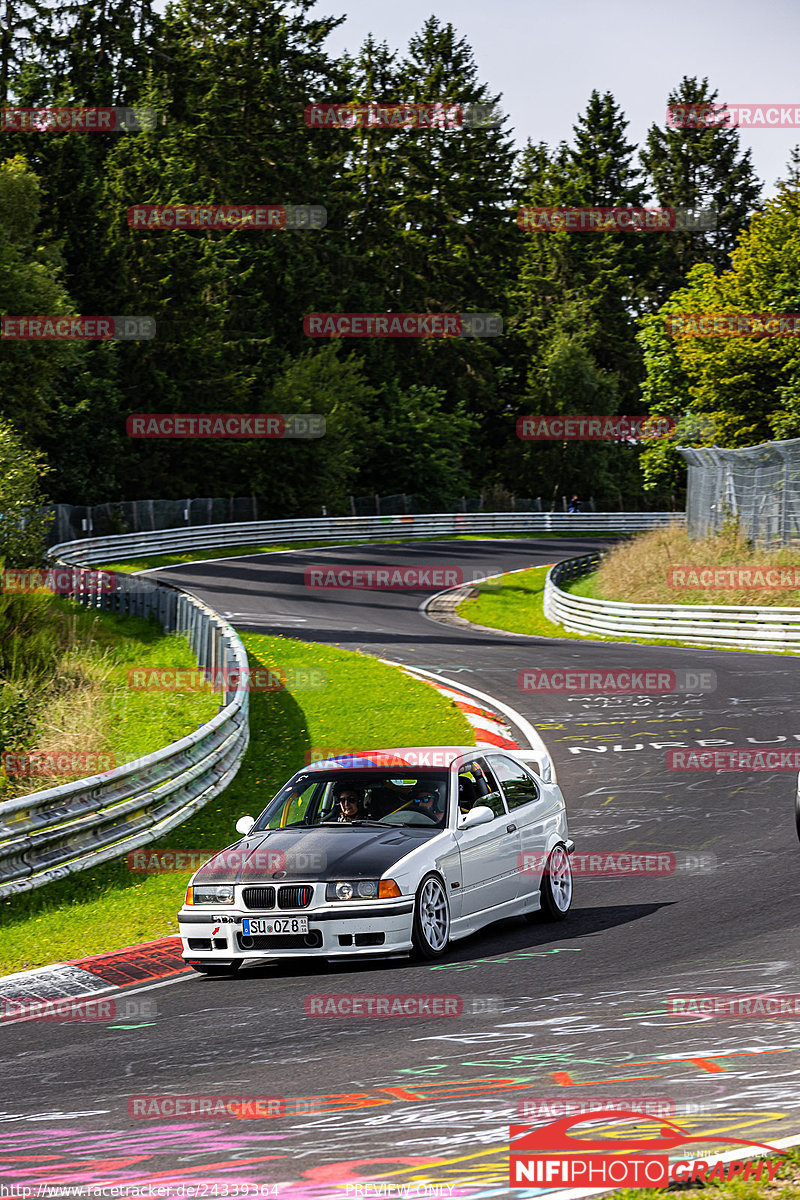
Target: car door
488	852
535	811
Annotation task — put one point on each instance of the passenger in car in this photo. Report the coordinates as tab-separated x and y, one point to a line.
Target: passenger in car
427	800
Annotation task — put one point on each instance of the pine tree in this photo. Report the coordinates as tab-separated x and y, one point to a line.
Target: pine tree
792	179
697	169
447	233
19	22
584	283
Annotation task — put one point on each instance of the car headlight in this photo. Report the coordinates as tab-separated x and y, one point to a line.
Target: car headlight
362	889
357	889
219	893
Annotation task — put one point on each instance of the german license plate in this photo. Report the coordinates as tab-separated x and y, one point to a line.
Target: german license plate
273	925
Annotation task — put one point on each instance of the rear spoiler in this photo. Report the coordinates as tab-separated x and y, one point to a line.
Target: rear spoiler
541	762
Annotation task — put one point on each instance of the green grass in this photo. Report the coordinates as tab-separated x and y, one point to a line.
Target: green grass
84	703
364	704
175	560
785	1186
140	722
514	603
586	586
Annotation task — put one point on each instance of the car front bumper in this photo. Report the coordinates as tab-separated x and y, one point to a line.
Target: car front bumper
333	932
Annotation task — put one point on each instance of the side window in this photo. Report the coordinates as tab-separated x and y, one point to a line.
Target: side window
294	808
516	782
480	781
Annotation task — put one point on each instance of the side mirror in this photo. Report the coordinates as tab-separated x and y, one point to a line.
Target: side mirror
245	824
480	815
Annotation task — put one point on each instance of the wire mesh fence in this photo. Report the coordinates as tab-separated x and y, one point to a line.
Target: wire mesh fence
758	487
141	516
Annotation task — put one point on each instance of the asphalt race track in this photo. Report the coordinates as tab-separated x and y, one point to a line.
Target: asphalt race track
570	1010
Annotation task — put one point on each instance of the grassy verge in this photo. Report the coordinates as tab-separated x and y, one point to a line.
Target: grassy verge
364	703
176	560
635	572
785	1185
513	603
638	571
64	688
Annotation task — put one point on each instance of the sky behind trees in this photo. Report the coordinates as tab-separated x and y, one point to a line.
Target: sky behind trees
545	57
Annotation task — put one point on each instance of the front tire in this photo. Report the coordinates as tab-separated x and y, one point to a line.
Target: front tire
431	930
216	969
556	886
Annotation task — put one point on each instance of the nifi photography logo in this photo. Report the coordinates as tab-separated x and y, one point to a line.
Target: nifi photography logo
546	1156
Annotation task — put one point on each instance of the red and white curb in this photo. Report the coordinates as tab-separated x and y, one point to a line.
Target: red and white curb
86	977
491	730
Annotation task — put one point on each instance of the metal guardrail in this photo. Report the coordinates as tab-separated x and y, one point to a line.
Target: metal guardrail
254	533
47	835
725	625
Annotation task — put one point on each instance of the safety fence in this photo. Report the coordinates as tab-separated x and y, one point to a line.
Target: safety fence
725	625
757	487
71	521
49	834
255	533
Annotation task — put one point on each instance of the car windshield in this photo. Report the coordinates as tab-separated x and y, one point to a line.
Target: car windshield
339	797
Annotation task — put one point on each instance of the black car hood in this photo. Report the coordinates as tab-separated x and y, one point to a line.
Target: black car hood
325	852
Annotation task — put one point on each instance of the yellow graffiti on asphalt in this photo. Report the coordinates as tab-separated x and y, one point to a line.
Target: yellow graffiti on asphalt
488	1168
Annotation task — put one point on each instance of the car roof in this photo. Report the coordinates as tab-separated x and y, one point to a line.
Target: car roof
397	756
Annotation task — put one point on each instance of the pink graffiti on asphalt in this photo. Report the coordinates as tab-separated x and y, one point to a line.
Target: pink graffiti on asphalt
55	1155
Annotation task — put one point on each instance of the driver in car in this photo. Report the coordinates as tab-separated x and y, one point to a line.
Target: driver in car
351	802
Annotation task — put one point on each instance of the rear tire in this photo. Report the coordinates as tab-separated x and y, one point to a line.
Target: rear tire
218	969
431	930
555	890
